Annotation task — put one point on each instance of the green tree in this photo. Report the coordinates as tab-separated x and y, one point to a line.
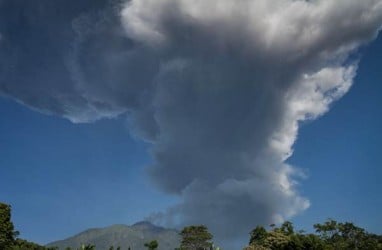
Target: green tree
281	238
330	235
307	242
7	232
152	245
195	238
87	247
255	247
258	235
276	240
21	244
287	228
343	236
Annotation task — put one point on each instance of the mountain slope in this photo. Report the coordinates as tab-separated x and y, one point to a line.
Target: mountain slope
124	236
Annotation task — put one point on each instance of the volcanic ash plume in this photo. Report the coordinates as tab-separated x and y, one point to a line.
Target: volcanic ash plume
217	88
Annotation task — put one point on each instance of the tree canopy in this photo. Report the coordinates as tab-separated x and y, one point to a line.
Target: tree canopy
330	235
7	233
152	245
195	238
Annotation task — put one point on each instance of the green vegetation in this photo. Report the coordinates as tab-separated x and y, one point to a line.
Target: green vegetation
21	244
152	245
331	235
7	233
87	247
195	238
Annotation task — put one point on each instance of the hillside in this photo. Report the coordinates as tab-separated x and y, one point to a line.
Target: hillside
124	236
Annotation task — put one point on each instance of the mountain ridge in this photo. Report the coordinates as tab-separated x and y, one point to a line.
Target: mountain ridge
124	236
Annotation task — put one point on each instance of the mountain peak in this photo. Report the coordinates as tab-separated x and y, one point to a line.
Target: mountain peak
134	236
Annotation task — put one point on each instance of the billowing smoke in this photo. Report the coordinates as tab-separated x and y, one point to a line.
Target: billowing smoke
218	88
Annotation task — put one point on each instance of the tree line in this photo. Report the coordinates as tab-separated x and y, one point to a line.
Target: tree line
330	235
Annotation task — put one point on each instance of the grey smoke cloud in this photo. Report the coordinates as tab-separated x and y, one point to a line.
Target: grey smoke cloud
218	88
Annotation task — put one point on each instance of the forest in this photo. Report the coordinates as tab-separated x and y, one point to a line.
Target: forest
330	235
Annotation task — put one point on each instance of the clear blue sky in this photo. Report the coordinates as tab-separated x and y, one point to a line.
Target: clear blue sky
62	178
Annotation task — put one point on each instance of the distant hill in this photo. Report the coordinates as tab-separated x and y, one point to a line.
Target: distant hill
124	236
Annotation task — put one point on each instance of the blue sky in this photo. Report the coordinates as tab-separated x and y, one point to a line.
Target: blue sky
92	175
341	152
62	178
149	135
